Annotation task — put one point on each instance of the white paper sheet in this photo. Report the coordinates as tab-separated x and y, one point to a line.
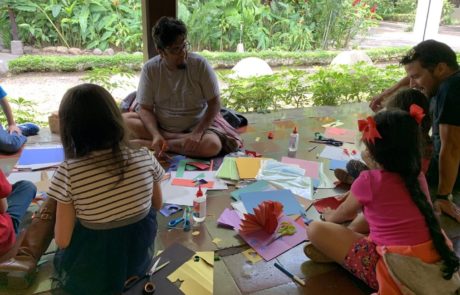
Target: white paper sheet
338	153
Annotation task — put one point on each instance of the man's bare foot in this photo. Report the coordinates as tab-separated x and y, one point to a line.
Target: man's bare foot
447	207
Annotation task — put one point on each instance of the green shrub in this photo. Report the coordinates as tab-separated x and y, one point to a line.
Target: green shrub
130	62
332	85
50	63
335	85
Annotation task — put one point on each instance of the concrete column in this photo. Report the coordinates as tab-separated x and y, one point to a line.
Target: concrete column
16	47
427	19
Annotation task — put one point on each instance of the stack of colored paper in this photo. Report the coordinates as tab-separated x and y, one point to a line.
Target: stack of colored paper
228	169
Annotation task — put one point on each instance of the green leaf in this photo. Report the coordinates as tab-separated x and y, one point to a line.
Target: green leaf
55	10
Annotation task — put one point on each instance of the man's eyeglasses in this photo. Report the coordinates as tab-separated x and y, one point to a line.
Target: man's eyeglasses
178	49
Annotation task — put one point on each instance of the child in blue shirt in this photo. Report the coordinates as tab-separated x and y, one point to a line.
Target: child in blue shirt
14	136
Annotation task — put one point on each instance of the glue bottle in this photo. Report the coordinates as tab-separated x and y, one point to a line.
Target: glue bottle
294	140
199	206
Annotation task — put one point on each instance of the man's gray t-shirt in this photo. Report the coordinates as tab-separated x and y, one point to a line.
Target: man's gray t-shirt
178	97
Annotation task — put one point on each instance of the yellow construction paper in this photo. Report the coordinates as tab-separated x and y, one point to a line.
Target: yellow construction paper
252	256
196	276
248	167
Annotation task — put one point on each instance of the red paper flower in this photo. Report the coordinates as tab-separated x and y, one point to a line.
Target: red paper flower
369	129
265	218
417	113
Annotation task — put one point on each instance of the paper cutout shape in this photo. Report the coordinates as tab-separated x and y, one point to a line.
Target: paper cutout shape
337	153
177	255
199	165
170	209
265	218
329	202
196	276
251	256
191	183
229	218
182	164
258	240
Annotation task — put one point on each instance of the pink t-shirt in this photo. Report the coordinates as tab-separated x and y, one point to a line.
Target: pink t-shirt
393	217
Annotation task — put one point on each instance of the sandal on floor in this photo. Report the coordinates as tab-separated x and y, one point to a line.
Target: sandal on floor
315	255
29	129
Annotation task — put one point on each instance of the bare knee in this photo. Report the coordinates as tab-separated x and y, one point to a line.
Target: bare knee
315	230
213	148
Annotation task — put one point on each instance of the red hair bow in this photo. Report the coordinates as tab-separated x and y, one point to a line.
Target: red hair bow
369	129
416	112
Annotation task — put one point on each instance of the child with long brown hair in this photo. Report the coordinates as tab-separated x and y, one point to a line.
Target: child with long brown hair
394	198
107	196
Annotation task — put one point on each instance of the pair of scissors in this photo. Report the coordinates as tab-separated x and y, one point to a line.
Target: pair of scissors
185	219
319	138
149	286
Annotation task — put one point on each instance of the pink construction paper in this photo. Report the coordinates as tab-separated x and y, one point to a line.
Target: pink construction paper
229	218
311	167
259	240
345	135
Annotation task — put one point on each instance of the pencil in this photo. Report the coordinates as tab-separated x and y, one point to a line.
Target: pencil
312	148
292	276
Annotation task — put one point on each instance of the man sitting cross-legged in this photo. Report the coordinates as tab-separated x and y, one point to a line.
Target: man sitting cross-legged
179	100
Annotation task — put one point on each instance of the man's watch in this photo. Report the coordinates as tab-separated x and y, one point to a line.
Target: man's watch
444	197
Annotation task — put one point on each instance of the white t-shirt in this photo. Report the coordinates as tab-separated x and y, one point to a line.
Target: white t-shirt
178	97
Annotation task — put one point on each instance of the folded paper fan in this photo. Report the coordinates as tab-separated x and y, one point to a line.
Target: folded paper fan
265	218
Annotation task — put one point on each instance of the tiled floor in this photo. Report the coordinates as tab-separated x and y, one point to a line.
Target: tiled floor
263	278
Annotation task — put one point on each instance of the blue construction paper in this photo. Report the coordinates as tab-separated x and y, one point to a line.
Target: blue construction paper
258	186
337	164
41	156
290	204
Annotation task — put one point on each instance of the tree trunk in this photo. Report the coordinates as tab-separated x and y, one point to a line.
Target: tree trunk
14	26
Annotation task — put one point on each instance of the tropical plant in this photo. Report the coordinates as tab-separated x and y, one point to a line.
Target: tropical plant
280	25
23	111
79	23
335	85
105	77
332	85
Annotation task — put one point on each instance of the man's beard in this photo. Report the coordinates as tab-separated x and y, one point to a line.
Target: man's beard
182	66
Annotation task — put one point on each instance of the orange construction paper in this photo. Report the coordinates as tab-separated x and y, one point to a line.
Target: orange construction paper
190	183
